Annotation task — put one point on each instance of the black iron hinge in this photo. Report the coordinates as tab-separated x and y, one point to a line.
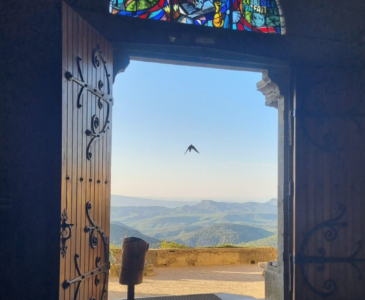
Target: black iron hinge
291	189
291	263
66	232
291	125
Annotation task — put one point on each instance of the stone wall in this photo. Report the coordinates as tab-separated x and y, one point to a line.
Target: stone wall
205	256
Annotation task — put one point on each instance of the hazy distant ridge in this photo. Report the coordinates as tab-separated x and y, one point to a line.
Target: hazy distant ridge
132	213
119	200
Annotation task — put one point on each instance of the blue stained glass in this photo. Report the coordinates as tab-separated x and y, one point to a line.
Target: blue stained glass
246	15
257	15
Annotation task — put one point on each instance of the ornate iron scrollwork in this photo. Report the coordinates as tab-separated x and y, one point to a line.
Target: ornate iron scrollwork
321	259
98	126
94	227
99	269
66	231
104	268
97	130
329	141
97	262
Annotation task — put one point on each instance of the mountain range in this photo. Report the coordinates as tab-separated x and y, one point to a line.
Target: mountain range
119	200
206	223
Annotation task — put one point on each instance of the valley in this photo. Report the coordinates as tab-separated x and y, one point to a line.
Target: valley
207	223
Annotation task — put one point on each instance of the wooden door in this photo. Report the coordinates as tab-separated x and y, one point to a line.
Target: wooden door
86	139
329	172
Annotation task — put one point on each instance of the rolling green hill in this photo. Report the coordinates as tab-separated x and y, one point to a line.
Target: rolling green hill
271	241
119	231
223	234
173	233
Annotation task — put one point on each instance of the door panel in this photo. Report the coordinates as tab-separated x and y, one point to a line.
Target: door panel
87	108
329	256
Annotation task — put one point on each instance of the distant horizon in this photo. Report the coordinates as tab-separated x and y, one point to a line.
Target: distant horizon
227	199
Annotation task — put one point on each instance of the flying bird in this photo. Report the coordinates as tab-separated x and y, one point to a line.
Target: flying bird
191	147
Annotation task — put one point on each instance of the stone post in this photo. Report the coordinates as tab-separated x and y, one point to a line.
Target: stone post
275	275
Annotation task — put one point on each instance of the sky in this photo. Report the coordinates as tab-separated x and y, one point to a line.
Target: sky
160	109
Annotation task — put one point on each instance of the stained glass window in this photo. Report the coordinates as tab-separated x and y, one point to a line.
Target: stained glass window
246	15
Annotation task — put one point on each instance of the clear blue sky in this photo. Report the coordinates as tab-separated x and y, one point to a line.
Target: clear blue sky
159	110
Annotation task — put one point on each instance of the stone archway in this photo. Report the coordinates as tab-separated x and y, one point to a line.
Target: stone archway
276	88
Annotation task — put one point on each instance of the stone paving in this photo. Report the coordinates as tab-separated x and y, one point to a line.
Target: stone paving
234	279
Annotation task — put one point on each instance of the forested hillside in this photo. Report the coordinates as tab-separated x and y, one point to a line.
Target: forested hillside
219	234
119	231
207	223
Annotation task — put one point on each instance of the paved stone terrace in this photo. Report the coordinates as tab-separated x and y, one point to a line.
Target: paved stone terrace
237	279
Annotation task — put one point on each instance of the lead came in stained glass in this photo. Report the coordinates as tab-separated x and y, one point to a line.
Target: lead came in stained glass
203	12
144	9
256	15
245	15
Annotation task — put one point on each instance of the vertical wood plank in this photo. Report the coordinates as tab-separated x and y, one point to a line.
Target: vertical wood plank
80	178
109	153
74	177
84	246
90	177
64	135
92	161
69	147
97	161
103	159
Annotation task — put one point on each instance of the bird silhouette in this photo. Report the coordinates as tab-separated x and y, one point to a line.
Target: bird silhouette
191	147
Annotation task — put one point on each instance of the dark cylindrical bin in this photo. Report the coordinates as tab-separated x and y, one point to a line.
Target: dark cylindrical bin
133	258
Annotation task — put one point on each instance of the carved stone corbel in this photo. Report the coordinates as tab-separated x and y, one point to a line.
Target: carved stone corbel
270	90
120	64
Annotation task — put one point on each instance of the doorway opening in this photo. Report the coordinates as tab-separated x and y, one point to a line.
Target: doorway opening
223	197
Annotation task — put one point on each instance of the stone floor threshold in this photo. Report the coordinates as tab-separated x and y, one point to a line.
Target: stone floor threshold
202	297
